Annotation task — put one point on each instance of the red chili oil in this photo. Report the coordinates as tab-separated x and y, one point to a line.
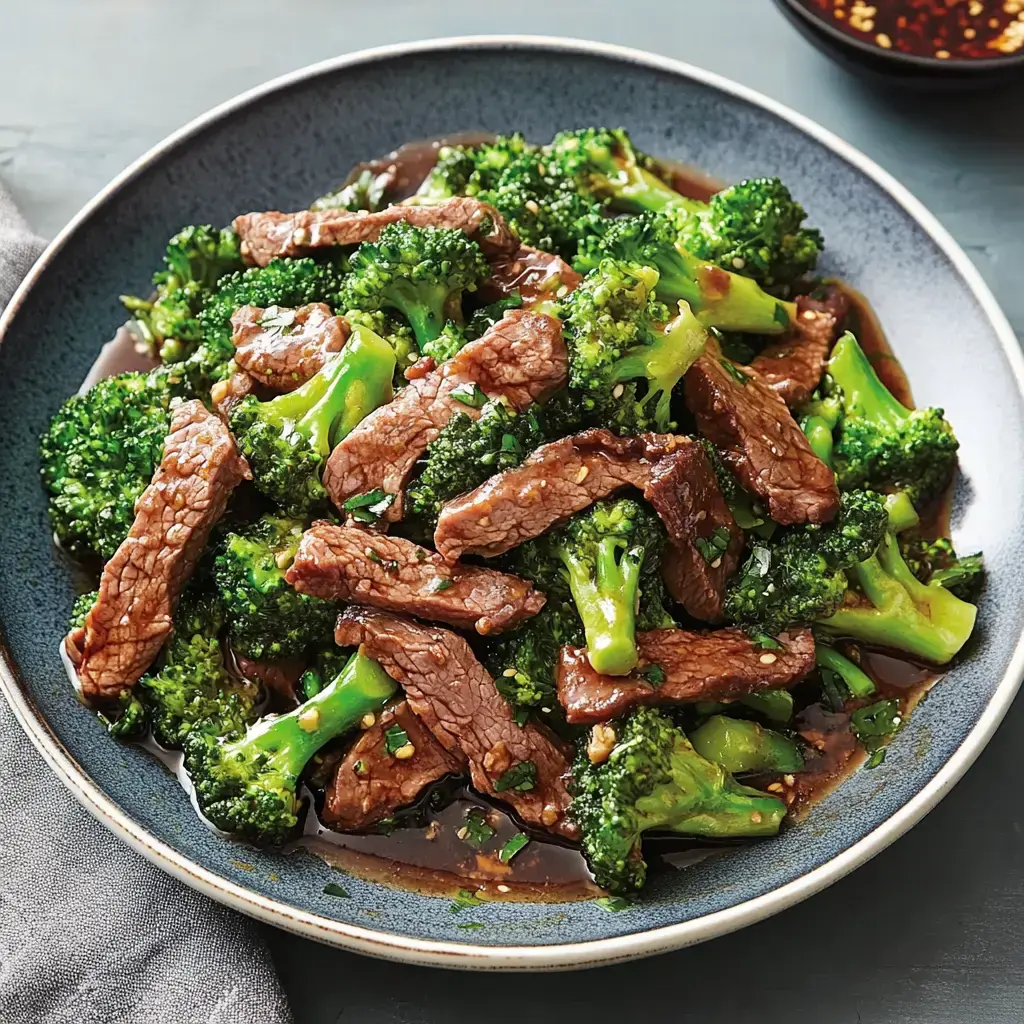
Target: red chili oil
945	29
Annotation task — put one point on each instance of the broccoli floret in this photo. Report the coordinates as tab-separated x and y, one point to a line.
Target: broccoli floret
80	609
467	452
607	560
420	272
365	190
654	779
879	442
196	258
523	662
444	347
288	438
269	619
192	687
469	170
887	605
249	785
796	576
739	745
718	298
754	227
605	165
936	561
395	332
99	454
619	334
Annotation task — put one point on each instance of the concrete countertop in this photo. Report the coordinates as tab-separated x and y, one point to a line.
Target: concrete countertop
932	930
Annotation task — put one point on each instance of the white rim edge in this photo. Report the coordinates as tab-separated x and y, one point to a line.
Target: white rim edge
562	955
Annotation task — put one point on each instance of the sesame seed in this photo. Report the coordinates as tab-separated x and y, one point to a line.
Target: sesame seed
775	787
462	833
503	888
309	720
739	262
532	206
942	54
768	658
717	562
582	473
368	720
883	41
617	390
405	752
562	291
509	673
756	817
300	236
789	779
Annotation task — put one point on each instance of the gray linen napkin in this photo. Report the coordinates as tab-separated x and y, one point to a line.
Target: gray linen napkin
90	933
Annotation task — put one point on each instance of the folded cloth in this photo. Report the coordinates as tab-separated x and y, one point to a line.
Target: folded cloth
90	933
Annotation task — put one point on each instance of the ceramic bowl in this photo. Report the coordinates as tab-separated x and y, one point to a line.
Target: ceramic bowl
286	142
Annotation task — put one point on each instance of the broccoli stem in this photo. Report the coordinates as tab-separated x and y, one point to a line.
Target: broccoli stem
857	681
902	514
864	394
819	437
606	602
422	305
739	745
924	620
703	799
290	740
643	190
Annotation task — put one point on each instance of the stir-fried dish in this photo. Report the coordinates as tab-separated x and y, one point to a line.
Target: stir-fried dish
533	499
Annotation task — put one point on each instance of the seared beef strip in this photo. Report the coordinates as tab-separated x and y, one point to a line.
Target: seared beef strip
704	541
267	235
792	366
282	348
759	440
280	678
456	699
370	784
522	357
556	481
141	584
350	563
538	277
722	665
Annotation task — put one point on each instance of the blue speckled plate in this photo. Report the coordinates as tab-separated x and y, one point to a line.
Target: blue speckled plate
286	142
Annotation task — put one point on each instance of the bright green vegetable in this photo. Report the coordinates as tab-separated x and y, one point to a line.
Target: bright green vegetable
742	746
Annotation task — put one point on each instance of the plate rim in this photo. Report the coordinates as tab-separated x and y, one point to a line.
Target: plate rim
558	956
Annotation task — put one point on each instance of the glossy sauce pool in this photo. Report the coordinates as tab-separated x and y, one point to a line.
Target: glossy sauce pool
422	850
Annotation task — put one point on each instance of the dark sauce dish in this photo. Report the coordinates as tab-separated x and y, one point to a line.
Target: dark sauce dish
862	55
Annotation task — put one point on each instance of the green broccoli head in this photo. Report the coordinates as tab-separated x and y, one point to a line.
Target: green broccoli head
287	439
625	353
249	785
880	443
98	456
796	576
606	167
395	332
607	560
467	451
268	618
196	258
654	779
523	662
422	273
755	227
470	170
717	297
936	561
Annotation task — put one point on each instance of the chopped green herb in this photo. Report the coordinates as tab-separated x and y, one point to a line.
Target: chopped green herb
734	371
833	688
765	641
513	846
522	776
781	316
333	889
712	548
386	826
875	759
464	898
613	904
475	832
470	926
510	443
876	724
369	506
439	584
521	716
359	767
469	394
654	674
395	738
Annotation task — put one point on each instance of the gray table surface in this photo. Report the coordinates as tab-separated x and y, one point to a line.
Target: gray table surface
930	931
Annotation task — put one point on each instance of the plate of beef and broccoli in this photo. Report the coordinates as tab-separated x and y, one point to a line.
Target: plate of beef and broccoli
525	531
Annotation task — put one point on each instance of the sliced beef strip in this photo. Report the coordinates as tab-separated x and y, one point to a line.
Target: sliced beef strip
721	666
538	277
522	357
141	584
280	678
265	236
456	699
792	367
283	348
350	563
684	491
370	784
759	440
556	481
